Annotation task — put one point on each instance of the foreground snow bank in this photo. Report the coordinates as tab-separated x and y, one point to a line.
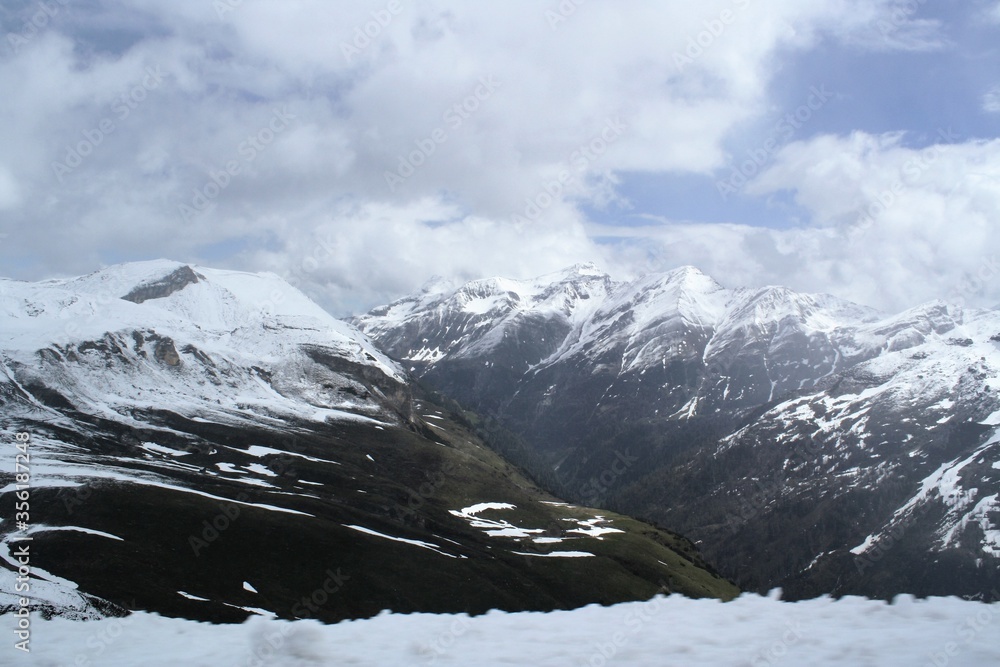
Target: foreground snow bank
751	630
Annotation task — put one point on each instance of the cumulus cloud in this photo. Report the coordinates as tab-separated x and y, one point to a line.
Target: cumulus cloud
896	225
892	225
362	147
360	255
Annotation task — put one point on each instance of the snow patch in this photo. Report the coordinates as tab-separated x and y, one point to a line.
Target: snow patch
417	543
665	630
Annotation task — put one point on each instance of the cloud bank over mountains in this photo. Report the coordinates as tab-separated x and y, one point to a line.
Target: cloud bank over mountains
360	149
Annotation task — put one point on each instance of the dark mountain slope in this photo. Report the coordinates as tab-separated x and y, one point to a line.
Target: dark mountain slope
801	440
221	446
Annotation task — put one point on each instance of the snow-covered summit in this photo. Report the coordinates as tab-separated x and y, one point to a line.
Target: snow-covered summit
218	307
479	315
190	339
643	321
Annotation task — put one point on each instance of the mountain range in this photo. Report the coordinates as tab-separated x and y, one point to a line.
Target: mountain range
801	440
212	445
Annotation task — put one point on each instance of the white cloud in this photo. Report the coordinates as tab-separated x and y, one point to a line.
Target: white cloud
678	79
991	100
895	225
362	255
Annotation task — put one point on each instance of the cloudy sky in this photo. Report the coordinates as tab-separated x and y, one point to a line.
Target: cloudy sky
842	146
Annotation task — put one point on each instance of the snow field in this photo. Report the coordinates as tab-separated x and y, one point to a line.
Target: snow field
750	631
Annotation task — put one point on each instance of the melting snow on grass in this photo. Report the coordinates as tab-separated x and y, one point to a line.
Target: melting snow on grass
417	543
596	527
494	527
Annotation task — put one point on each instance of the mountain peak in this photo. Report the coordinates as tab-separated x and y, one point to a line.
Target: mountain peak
687	270
585	269
175	281
576	272
438	285
229	311
691	277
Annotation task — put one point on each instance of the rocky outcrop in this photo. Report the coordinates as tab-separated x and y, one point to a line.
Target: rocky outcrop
164	287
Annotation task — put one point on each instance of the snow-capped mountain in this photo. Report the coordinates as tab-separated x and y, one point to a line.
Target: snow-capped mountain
581	347
481	314
782	430
211	444
658	327
902	447
146	335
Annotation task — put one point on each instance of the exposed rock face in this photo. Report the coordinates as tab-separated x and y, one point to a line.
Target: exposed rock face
166	353
394	393
163	287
